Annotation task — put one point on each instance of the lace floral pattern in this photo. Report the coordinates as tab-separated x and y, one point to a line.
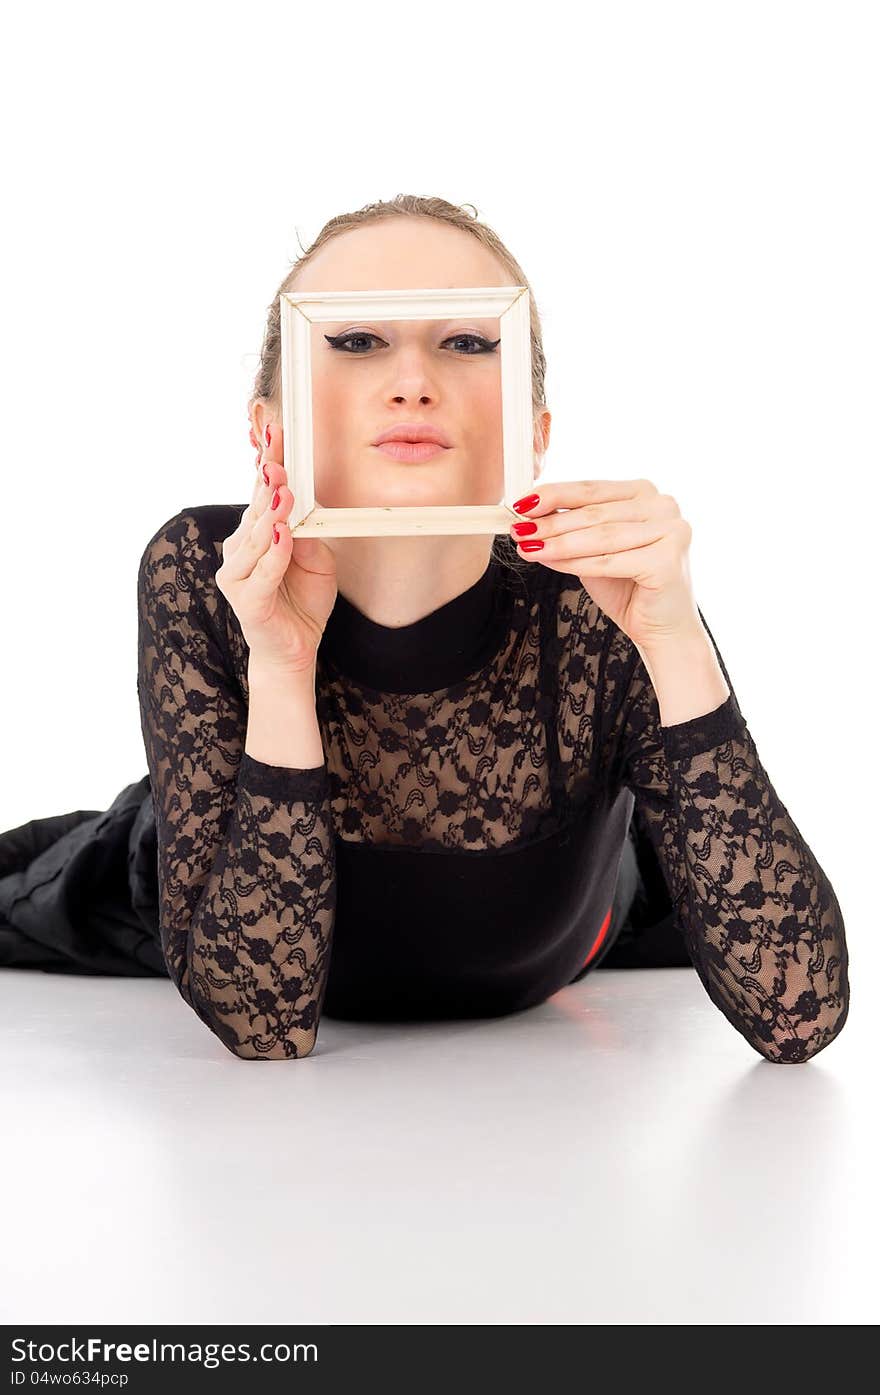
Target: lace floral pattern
760	919
246	852
562	711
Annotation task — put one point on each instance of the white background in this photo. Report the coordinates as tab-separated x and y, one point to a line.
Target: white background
691	189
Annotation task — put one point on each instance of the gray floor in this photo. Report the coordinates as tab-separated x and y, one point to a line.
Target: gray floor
618	1155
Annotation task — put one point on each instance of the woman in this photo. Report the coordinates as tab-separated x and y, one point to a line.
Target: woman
438	777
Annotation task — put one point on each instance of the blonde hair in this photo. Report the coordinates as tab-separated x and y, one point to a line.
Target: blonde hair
267	383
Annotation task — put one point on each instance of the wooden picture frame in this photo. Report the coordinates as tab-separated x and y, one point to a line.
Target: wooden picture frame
298	312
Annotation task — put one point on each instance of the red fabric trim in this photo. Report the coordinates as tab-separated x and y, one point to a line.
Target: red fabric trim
599	938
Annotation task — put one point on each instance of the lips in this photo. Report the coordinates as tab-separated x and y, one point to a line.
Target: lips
414	433
411	450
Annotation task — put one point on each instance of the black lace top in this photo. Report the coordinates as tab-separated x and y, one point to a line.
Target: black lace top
457	853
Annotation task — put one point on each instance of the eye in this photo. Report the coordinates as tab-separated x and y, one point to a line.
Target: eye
342	342
484	346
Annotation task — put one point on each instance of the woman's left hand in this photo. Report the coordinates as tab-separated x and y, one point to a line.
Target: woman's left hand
628	544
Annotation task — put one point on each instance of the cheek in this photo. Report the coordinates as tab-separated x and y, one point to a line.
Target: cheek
484	414
331	401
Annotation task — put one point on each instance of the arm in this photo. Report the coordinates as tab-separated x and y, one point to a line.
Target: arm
247	877
760	919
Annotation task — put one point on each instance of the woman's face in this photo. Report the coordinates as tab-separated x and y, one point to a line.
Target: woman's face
378	374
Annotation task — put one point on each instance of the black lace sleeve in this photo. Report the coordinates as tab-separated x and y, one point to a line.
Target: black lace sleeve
759	917
247	878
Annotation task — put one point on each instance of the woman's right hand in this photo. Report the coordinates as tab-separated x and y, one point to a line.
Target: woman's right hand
282	592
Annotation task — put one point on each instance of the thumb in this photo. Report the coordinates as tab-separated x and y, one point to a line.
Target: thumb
313	555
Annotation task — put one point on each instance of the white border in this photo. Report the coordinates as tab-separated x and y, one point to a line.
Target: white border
510	304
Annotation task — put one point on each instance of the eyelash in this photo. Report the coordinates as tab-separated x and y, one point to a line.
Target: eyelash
336	340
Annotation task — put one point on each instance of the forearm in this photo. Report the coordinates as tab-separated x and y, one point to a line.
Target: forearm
246	838
254	952
759	917
282	725
686	676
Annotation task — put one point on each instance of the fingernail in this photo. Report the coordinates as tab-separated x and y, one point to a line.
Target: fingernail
531	501
532	545
265	474
268	437
276	536
276	498
522	528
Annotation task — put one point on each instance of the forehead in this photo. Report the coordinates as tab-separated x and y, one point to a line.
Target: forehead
400	254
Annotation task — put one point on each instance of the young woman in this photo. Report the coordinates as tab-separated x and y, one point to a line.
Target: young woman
439	777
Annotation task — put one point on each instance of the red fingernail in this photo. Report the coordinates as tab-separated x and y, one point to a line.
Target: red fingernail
265	474
275	498
531	501
276	536
522	528
532	545
268	437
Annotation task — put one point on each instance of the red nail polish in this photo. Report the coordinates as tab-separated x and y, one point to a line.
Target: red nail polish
523	528
265	474
531	501
268	437
532	545
276	498
276	536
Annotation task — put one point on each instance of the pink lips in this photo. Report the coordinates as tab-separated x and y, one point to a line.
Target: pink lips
411	450
414	431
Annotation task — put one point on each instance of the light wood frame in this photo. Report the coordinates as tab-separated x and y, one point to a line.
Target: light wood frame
510	304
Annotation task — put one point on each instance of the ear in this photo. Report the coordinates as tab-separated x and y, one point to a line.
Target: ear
262	414
541	439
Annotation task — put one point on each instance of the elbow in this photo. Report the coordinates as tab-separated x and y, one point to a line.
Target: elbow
815	1014
250	1045
789	1048
252	1031
236	1029
285	1050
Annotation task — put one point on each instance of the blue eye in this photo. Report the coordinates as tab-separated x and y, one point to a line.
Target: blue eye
341	342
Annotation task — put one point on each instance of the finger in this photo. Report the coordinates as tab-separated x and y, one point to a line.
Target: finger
254	442
605	539
269	475
647	564
573	494
272	563
249	515
273	443
564	522
272	468
270	462
256	539
246	522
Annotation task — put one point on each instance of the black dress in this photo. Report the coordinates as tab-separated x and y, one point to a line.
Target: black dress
500	811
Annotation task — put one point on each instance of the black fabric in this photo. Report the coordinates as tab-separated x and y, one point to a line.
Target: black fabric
442	649
499	811
79	894
79	891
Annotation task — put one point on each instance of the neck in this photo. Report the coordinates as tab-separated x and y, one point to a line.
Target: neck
422	624
397	581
